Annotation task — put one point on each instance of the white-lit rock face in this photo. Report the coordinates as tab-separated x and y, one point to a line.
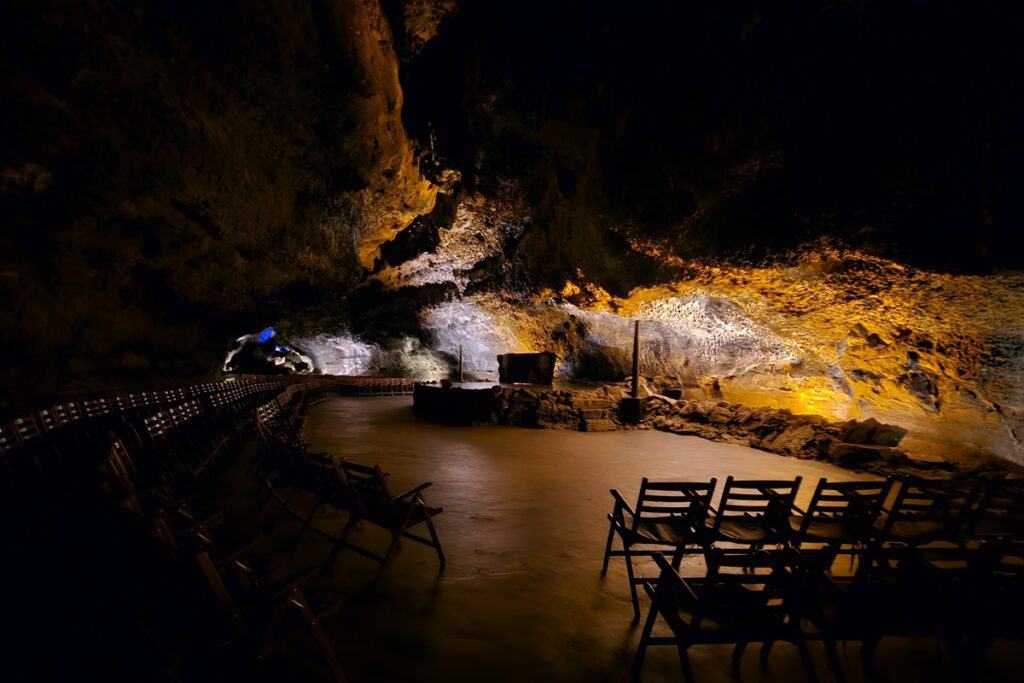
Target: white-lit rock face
469	325
691	337
479	231
344	354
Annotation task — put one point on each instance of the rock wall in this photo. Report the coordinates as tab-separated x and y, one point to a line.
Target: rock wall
173	174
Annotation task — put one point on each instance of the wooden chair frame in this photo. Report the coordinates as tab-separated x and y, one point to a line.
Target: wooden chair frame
374	504
762	504
757	606
852	506
680	508
942	504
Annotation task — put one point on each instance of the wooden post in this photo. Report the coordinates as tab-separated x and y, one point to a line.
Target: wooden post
636	359
462	377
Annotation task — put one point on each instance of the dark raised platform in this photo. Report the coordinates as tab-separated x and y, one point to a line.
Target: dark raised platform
460	403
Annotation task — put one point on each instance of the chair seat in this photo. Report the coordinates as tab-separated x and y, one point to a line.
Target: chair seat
280	586
744	530
725	619
667	532
818	530
911	530
392	516
998	526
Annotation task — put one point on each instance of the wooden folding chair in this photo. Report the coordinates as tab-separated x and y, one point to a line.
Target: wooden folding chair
927	510
744	598
998	512
242	584
373	503
668	515
754	513
840	513
908	592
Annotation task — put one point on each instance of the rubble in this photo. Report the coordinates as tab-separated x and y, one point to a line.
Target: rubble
867	444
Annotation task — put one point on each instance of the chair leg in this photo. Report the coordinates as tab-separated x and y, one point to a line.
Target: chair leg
350	524
608	548
961	659
299	601
641	647
284	509
833	660
437	541
805	658
766	650
277	616
677	557
632	585
306	522
867	651
737	658
328	653
684	662
395	536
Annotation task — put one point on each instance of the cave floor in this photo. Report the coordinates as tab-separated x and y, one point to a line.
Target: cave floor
524	529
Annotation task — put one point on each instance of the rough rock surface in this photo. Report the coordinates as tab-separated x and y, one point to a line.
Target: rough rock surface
858	445
174	174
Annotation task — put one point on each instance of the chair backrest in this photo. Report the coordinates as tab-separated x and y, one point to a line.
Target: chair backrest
367	482
660	501
945	501
329	479
756	498
855	504
48	420
740	581
1002	500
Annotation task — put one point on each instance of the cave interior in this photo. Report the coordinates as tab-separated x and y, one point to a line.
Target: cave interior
758	240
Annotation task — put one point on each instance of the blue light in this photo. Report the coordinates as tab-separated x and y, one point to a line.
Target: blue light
265	335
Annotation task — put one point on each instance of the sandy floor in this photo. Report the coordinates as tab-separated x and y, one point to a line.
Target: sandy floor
524	529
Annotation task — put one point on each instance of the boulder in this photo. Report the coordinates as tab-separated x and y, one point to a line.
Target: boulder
871	431
792	440
856	455
888	435
721	415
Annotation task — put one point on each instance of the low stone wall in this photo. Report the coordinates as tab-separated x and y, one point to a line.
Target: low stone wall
867	444
520	406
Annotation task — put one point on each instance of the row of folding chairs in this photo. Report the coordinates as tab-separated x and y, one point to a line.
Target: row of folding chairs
963	596
157	470
679	517
305	483
33	444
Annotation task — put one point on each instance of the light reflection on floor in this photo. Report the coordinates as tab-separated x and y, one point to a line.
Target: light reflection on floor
523	528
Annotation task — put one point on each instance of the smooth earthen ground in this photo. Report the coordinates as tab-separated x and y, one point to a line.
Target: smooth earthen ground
524	529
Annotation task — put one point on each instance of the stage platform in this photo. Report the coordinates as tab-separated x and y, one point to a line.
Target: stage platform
470	403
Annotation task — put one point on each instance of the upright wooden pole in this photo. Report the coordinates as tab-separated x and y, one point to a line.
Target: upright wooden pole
636	359
461	376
